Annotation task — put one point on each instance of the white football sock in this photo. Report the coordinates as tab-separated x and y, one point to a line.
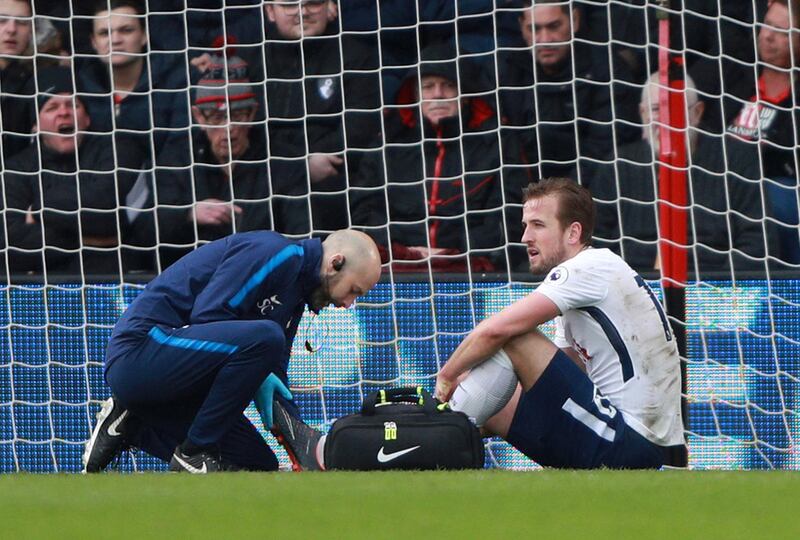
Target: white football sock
487	389
320	451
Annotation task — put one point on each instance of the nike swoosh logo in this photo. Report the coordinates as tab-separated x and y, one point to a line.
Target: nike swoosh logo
112	429
385	458
192	469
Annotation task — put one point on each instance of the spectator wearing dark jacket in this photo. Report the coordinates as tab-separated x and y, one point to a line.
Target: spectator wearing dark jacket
716	39
322	97
561	102
478	26
62	193
770	121
232	183
140	97
228	188
15	72
725	205
440	187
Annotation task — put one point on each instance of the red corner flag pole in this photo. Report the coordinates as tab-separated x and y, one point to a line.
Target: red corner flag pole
672	193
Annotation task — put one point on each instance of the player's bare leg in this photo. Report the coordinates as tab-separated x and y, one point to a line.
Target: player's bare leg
497	425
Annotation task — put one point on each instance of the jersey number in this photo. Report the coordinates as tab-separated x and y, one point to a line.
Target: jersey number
664	323
600	423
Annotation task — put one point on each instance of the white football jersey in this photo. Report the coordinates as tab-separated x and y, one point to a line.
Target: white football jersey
614	321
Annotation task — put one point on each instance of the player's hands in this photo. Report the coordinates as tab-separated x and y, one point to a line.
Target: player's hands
214	212
266	395
445	386
322	166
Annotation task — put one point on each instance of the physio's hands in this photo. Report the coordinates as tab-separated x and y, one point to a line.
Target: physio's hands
265	396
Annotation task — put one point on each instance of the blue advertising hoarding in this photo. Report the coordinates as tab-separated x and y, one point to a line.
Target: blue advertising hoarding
743	365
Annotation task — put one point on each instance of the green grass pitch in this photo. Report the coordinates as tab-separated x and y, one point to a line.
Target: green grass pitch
415	505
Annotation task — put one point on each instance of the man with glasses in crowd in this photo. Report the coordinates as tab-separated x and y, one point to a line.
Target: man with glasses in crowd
311	75
231	185
231	189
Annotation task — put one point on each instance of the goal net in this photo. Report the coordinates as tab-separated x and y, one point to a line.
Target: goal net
419	125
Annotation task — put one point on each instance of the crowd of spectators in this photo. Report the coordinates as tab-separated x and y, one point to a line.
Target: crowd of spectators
133	131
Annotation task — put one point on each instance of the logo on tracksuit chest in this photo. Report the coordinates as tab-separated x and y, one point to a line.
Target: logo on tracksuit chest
268	304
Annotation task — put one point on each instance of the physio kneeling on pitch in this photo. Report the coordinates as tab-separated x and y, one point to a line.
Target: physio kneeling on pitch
210	334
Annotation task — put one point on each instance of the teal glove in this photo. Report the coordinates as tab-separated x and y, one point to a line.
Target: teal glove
265	396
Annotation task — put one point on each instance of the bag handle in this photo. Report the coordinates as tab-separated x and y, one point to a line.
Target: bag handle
407	394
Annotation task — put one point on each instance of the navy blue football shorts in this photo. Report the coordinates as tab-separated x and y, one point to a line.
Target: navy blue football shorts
563	421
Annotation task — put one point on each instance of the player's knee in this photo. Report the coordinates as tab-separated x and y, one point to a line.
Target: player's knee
487	389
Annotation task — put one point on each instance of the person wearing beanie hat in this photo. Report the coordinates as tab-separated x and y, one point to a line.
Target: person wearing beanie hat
231	176
61	120
62	191
225	77
225	106
437	190
437	90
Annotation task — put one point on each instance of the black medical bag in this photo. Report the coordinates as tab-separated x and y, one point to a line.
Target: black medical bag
403	428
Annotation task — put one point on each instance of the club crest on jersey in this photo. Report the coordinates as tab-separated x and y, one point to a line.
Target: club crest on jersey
557	275
754	119
268	304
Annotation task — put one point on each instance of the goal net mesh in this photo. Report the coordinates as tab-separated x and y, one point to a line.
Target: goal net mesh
582	103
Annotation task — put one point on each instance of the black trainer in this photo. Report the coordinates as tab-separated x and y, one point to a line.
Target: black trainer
300	440
108	438
203	462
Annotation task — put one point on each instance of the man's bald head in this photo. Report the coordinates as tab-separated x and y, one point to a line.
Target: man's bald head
353	244
350	267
